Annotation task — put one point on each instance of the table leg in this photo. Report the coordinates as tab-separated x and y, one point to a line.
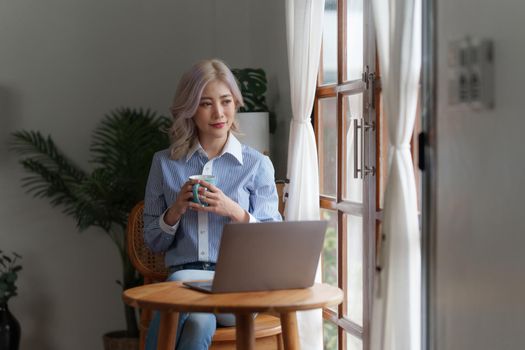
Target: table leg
244	329
290	333
167	330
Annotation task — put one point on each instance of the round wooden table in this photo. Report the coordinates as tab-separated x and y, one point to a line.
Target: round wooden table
170	298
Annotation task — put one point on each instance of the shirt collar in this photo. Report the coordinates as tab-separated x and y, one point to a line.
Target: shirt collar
232	146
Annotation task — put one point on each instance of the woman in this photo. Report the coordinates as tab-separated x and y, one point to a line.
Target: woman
203	142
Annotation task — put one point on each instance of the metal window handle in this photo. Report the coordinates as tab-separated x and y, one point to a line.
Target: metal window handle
363	129
357	171
366	170
361	172
369	170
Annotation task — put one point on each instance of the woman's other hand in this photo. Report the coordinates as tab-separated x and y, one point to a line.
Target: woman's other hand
219	203
181	204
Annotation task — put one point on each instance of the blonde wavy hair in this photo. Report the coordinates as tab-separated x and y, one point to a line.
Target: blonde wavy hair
183	132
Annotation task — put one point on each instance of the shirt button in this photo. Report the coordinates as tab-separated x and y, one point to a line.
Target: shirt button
202	253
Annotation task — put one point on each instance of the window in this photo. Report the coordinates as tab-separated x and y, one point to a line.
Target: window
345	122
352	139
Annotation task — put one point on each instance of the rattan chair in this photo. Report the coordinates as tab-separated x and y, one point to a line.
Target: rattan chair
151	267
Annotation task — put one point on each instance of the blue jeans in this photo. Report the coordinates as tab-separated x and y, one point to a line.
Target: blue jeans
195	330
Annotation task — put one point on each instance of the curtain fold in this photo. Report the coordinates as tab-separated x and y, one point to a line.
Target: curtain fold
396	319
304	23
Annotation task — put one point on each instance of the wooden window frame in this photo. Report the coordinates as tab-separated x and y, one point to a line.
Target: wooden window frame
340	90
371	206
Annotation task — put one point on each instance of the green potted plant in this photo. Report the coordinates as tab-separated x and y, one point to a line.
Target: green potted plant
9	326
121	151
255	118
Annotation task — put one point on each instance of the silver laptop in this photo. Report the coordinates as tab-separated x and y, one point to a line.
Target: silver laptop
266	256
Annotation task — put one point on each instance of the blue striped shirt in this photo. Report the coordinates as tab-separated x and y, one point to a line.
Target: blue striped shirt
242	173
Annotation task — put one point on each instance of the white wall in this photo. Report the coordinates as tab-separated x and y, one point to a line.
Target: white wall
481	168
63	64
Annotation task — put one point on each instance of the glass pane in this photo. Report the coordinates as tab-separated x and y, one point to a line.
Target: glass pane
329	58
353	187
328	146
329	336
353	343
329	258
355	268
354	39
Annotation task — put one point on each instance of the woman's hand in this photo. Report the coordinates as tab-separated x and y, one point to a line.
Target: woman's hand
181	204
218	203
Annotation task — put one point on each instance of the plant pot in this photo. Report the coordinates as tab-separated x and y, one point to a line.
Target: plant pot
9	329
120	340
255	130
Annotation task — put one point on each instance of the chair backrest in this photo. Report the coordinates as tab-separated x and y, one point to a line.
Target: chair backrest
150	265
147	263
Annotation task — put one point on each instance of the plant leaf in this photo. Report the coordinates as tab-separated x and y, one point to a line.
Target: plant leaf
253	85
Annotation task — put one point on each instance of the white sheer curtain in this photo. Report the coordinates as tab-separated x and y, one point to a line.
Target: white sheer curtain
304	23
396	320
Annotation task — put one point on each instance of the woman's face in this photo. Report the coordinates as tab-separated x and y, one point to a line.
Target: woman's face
216	111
